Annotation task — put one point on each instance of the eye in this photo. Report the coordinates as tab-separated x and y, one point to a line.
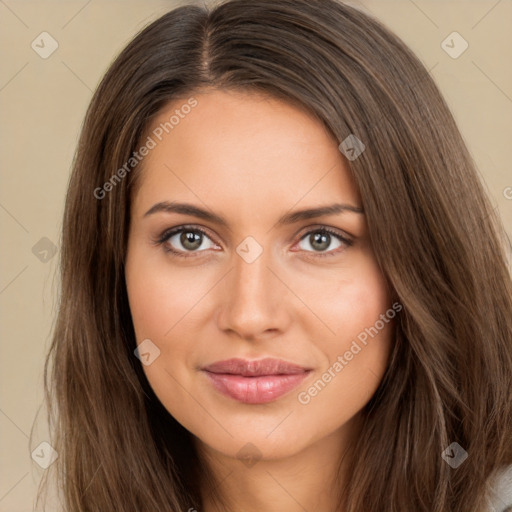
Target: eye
324	241
183	240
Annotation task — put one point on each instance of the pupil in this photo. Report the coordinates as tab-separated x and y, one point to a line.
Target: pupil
320	241
191	240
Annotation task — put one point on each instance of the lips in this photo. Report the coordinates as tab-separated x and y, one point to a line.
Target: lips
255	382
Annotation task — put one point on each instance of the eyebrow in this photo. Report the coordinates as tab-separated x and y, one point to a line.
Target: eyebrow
288	218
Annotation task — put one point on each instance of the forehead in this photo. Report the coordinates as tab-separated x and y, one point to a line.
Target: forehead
245	150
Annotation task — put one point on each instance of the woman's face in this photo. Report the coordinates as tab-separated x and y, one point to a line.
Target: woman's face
245	272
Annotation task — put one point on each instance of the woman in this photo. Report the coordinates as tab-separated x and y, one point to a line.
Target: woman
283	287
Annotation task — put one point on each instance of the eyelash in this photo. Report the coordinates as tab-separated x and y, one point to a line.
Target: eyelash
166	235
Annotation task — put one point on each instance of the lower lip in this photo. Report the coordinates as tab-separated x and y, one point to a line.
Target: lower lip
255	390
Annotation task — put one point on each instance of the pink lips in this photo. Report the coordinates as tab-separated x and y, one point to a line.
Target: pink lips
255	382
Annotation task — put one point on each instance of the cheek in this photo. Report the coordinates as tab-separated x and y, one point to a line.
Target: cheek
160	299
347	301
364	340
360	317
164	306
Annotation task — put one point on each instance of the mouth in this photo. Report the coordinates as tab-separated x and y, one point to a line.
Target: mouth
255	382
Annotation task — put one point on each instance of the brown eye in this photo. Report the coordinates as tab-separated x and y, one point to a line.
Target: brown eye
186	240
191	240
323	240
320	241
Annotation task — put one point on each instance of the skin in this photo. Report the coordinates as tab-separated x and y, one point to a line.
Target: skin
251	159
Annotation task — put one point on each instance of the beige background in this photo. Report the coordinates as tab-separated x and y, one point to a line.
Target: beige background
43	102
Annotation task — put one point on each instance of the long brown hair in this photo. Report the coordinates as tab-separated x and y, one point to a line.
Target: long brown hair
437	239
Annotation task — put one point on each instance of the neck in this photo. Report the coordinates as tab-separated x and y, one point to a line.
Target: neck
310	479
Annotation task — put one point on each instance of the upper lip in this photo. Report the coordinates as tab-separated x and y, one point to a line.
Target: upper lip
254	368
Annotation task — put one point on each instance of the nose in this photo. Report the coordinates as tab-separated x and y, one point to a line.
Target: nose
254	304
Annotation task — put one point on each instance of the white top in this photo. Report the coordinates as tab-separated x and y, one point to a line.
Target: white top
501	496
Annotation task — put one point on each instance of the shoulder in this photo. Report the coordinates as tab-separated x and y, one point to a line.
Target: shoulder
501	491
